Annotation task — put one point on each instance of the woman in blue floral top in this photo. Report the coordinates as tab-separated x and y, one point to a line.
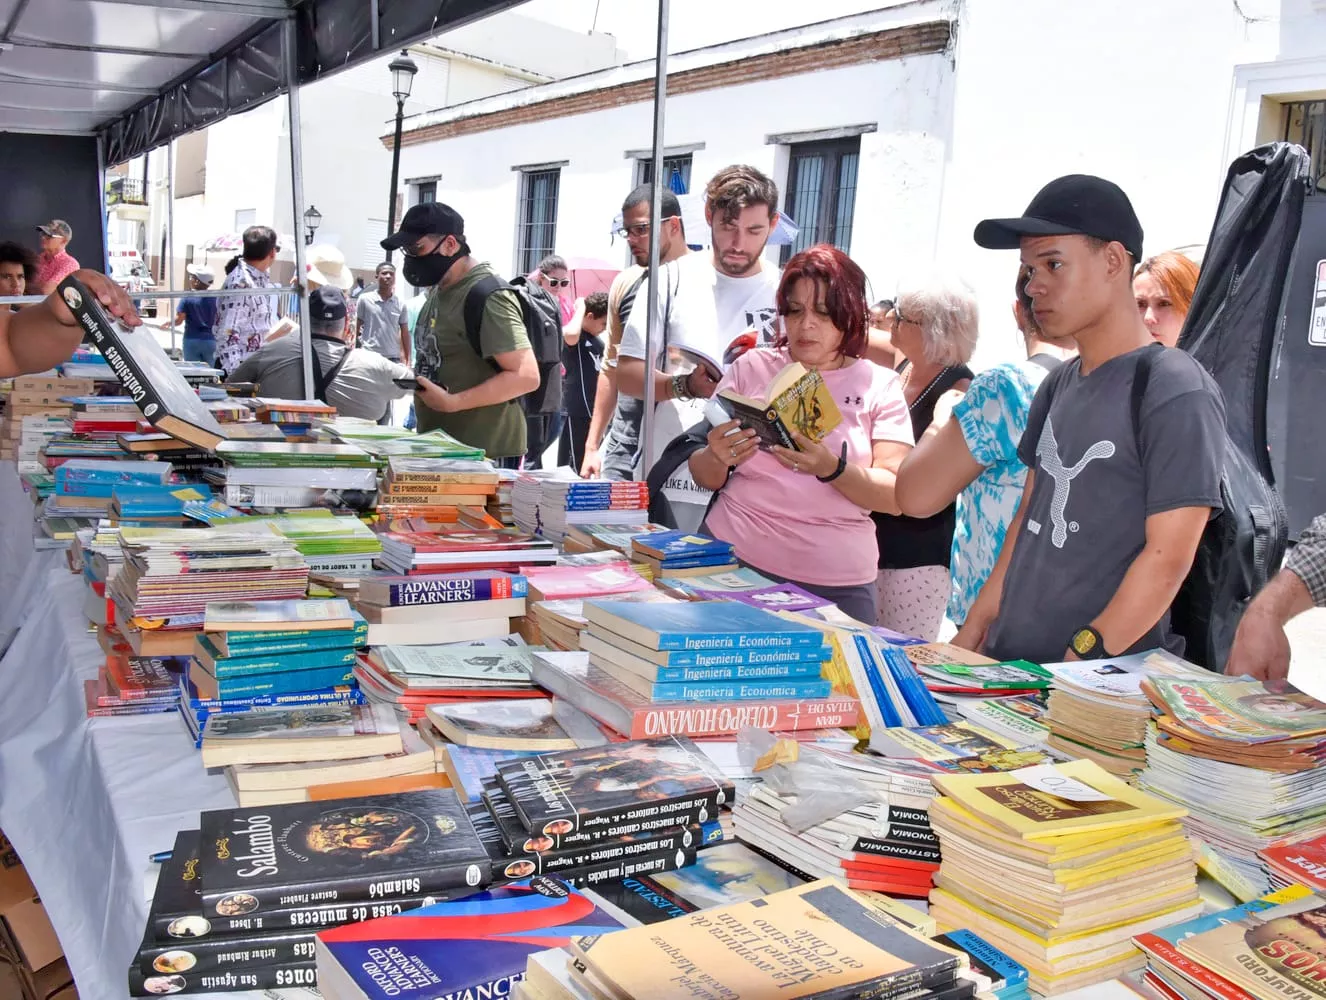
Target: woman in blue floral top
242	322
970	452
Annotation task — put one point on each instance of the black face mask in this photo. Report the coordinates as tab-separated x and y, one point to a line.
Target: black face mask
424	272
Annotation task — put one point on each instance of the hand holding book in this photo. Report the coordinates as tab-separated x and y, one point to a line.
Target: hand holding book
809	457
733	444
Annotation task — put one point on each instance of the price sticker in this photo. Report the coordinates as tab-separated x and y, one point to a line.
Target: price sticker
1045	778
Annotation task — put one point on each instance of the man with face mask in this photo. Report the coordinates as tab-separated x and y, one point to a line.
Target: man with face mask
472	395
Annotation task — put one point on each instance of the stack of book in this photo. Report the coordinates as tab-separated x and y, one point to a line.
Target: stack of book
36	408
560	623
1084	863
385	674
604	812
447	607
695	669
103	418
606	537
131	685
1099	711
467	767
606	579
296	417
330	543
1297	862
680	553
435	487
1245	758
273	756
565	502
499	507
828	941
264	649
84	487
724	582
286	474
241	913
1020	719
421	553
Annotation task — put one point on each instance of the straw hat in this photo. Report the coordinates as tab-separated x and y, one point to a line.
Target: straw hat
325	265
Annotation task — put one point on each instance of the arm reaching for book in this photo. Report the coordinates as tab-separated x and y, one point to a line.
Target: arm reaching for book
519	375
44	335
985	609
871	488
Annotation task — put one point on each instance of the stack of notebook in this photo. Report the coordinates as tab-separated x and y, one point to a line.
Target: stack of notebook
421	553
269	474
551	505
435	487
412	678
297	418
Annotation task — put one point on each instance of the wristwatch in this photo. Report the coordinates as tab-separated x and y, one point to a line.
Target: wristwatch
681	388
1088	644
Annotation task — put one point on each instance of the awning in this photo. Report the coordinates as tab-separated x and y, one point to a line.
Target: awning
142	72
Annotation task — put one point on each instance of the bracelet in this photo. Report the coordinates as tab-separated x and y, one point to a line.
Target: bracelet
842	467
681	389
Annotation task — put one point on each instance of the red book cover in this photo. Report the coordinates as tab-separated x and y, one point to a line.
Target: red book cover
1199	975
463	541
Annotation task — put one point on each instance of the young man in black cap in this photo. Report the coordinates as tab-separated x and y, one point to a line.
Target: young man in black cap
472	396
1111	514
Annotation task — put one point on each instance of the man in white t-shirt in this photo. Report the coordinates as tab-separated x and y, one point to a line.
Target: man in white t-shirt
704	303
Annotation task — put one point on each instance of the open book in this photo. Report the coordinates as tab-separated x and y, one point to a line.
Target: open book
715	366
796	400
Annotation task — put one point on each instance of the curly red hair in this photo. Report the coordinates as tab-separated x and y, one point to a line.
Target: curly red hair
843	285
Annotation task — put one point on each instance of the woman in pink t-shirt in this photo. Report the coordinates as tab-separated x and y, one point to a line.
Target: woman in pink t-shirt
804	516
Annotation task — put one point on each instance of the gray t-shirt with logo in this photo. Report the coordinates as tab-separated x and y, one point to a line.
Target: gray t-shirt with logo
1085	521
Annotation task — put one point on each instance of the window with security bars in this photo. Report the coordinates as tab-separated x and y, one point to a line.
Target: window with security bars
538	218
1305	124
676	172
427	193
821	193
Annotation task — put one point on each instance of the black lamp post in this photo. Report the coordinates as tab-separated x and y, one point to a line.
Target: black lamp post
312	220
402	69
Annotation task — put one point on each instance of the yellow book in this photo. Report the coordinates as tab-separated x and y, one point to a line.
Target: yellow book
1091	801
796	400
818	939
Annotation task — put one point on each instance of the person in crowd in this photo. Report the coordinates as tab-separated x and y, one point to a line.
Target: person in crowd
582	356
243	321
358	289
1112	513
704	302
476	397
358	382
802	515
54	263
1164	285
969	454
545	413
18	270
879	338
1261	648
198	316
324	265
613	444
934	330
381	322
414	306
44	334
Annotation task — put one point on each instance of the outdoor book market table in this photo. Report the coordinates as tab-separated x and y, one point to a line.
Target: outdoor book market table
86	802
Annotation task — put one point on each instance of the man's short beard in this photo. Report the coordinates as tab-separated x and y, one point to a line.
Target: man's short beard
753	263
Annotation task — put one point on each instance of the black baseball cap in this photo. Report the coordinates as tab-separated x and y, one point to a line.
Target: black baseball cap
1076	205
326	302
427	219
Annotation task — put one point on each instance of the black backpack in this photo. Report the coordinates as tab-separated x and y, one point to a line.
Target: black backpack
543	318
1240	550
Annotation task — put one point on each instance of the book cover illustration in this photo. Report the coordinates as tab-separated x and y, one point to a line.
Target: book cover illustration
778	597
480	665
1280	952
378	847
476	946
1238	710
797	401
595	787
316	722
531	721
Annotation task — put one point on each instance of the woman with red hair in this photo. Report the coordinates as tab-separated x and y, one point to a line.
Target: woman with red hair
803	516
1163	286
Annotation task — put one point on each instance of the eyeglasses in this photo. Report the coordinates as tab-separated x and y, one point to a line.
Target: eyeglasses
416	249
899	319
641	229
558	282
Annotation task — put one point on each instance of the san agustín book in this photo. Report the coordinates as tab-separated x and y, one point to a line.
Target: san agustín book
614	790
374	848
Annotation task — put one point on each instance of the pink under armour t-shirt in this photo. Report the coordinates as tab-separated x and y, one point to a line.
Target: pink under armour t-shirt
790	523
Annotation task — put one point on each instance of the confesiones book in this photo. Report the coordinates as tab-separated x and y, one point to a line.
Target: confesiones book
450	588
257	977
466	948
307	853
600	790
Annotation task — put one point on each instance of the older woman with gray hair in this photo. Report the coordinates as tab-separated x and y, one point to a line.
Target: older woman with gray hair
934	327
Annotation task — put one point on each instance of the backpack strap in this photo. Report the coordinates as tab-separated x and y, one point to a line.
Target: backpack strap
476	300
322	382
1141	382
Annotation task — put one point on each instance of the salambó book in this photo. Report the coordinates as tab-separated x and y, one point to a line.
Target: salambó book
373	848
796	400
606	791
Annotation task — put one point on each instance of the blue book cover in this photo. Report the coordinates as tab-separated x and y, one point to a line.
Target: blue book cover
222	667
713	625
158	500
472	947
986	959
667	545
324	696
794	657
740	690
283	683
696	562
877	688
92	477
1210	921
357	636
305	643
470	765
913	689
797	670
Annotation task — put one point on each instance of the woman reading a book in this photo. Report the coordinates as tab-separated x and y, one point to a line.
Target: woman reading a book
802	515
46	334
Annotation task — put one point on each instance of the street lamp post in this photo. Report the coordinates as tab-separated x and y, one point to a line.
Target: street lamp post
312	220
402	69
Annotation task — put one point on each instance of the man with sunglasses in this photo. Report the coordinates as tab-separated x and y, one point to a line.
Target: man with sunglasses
545	413
473	396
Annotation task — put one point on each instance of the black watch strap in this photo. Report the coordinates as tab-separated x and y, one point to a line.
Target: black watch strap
842	467
1088	644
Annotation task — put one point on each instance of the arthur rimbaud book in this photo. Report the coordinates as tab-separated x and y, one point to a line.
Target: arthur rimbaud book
699	625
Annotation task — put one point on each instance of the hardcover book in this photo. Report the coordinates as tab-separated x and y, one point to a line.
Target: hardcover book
796	400
212	954
148	375
368	849
473	947
598	788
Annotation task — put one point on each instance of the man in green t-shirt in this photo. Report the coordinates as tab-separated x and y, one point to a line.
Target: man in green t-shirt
473	397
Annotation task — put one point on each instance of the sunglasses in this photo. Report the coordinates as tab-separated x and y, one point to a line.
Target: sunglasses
558	282
640	229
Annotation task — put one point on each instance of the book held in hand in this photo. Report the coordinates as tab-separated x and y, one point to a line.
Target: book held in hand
796	401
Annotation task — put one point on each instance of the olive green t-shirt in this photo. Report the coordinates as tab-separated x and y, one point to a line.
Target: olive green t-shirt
439	337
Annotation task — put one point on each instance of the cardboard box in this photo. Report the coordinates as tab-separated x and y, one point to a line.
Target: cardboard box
54	981
32	933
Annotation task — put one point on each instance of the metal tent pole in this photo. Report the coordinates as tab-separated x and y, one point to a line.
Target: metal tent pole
101	200
297	199
170	230
652	333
